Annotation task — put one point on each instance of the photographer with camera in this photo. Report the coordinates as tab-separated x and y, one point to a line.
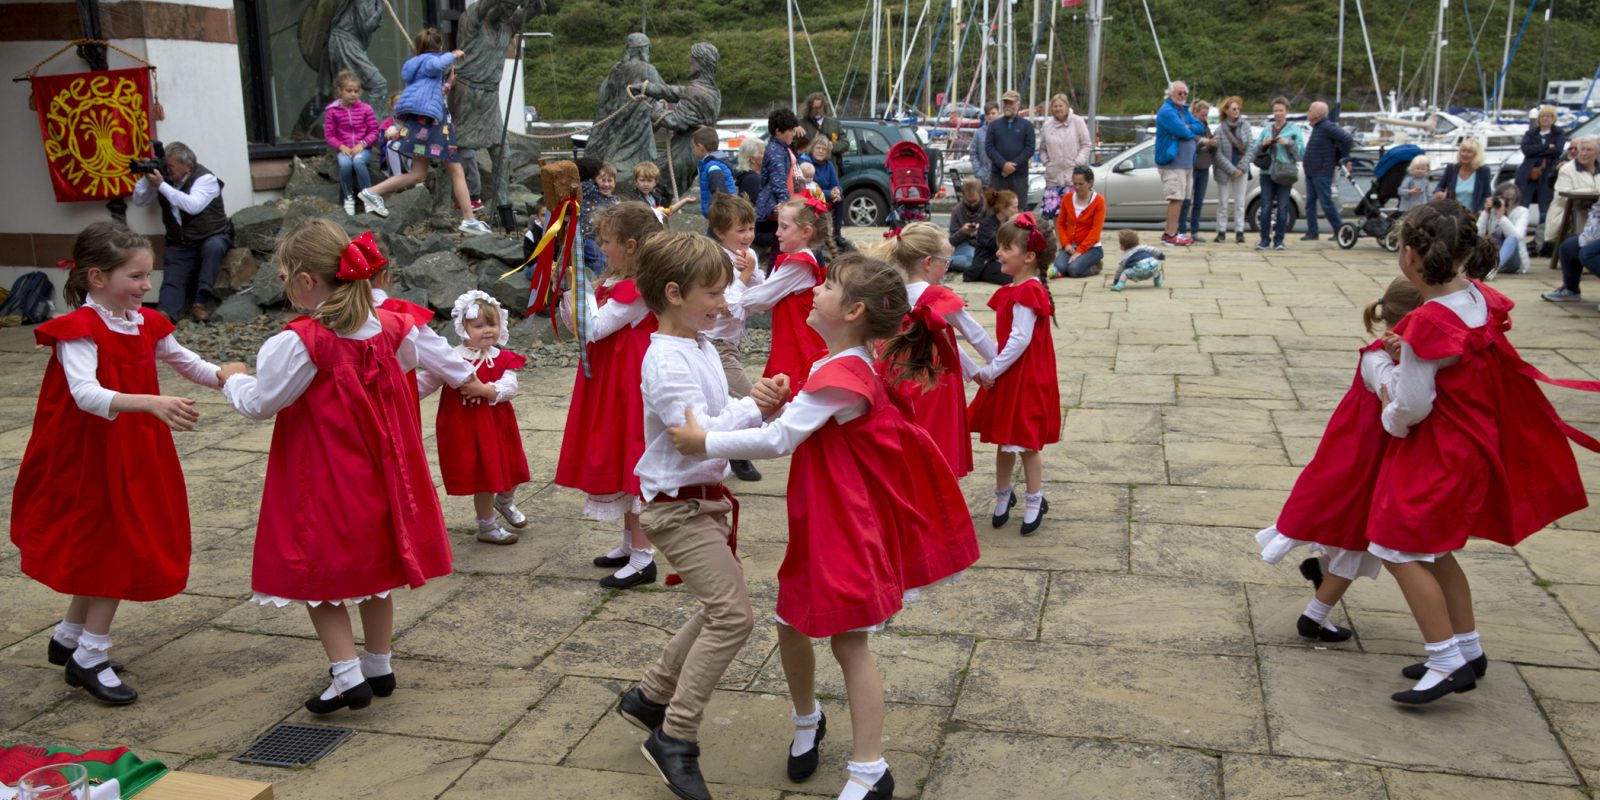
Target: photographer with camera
1505	221
198	230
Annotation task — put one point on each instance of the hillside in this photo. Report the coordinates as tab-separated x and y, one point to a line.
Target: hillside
1253	48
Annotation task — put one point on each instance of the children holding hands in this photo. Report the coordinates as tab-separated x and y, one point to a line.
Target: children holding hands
99	510
802	227
733	223
874	510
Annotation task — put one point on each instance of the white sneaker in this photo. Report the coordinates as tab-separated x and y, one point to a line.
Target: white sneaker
492	533
473	227
373	203
504	504
349	206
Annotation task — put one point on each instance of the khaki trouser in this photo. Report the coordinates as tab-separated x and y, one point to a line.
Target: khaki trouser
693	535
733	365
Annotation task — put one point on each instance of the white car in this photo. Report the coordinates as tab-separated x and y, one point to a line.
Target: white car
1132	189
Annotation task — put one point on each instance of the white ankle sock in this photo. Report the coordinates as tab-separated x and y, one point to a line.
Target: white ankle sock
1443	658
1468	643
805	730
487	524
637	561
1318	612
375	665
867	773
1031	504
346	676
67	633
1002	500
625	549
91	653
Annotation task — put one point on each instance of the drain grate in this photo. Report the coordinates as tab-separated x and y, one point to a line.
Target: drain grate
290	745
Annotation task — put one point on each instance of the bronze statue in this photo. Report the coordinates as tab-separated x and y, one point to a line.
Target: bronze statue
628	137
695	104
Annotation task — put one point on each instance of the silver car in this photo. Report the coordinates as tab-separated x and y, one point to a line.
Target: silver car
1132	189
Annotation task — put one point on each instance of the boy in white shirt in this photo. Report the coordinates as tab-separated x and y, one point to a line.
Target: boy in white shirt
682	277
733	223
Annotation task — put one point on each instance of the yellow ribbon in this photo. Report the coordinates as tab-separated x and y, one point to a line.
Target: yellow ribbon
549	236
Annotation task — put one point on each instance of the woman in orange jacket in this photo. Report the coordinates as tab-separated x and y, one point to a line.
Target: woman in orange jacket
1083	214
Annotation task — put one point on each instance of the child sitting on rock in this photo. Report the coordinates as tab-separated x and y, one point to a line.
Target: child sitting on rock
1139	262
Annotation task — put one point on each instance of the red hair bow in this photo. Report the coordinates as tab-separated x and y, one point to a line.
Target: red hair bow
930	319
1026	222
892	233
360	259
816	204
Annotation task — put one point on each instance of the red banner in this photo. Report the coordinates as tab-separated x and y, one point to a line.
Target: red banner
93	123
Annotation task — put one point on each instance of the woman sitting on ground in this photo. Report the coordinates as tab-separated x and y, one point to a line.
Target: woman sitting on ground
1505	222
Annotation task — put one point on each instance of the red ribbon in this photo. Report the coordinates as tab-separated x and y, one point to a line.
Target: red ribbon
816	204
360	259
1026	222
892	233
66	263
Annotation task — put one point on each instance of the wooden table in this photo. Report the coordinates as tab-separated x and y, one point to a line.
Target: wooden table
177	785
1575	209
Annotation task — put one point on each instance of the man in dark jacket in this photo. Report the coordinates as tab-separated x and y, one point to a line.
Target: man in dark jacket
1326	146
1009	145
198	231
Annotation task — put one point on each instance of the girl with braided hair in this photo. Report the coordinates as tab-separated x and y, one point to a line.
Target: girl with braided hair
1467	459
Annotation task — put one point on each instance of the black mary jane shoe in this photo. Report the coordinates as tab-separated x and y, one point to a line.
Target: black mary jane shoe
802	766
88	679
1003	517
382	685
678	764
58	654
1462	680
1311	629
357	697
640	712
1311	570
883	789
1414	672
744	470
1028	528
643	576
610	562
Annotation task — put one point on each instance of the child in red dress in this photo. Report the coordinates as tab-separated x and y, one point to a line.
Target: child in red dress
874	511
922	252
1468	459
802	227
1019	406
99	510
1327	510
604	436
480	447
336	382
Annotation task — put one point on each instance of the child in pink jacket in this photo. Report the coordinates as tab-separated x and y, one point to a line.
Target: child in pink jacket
351	127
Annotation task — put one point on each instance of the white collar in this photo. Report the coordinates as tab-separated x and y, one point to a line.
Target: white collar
134	318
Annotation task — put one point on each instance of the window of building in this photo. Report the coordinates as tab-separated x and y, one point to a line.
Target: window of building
284	63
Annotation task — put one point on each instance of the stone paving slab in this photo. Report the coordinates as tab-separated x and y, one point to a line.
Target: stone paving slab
1250	777
1146	611
978	764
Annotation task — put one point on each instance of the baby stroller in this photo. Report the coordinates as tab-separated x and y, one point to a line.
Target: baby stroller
1372	218
907	163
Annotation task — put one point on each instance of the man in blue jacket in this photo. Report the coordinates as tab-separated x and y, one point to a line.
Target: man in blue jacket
1009	144
1326	146
1176	130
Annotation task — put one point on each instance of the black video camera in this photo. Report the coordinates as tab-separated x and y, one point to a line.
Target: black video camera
145	166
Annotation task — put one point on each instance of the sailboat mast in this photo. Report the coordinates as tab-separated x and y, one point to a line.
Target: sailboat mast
1505	60
983	59
1338	80
1032	69
1096	21
1438	53
794	97
1371	64
1544	51
955	57
872	100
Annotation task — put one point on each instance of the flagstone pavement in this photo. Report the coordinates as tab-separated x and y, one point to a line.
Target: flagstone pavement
1136	647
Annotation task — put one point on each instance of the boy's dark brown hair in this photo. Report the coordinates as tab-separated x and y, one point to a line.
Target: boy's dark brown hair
689	260
729	211
706	138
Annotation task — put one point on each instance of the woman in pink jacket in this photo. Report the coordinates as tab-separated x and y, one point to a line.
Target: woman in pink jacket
1064	143
350	127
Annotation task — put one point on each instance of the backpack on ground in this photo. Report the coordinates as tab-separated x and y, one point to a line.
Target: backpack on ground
30	298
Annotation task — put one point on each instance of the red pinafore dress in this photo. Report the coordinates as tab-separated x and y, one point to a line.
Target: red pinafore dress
349	509
795	345
480	446
942	409
419	317
1332	496
1024	407
604	437
873	511
99	507
1491	460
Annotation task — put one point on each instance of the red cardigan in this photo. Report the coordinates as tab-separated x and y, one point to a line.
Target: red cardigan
1081	232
